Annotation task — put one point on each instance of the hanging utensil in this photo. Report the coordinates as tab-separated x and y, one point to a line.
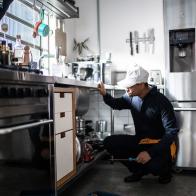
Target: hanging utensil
151	39
144	41
60	40
136	36
131	42
35	29
41	28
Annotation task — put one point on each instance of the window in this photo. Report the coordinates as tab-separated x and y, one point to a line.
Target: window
22	23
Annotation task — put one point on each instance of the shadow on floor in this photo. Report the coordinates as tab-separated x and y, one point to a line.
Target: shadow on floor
108	177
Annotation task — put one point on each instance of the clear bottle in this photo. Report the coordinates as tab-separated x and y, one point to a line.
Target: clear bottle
11	53
18	50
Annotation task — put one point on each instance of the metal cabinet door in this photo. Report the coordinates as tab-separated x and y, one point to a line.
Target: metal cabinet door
186	157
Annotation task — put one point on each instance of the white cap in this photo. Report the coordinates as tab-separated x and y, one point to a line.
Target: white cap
135	75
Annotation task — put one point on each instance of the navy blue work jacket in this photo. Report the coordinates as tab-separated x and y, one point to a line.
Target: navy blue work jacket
153	117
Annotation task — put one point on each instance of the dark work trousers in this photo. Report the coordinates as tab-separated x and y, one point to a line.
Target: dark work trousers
125	146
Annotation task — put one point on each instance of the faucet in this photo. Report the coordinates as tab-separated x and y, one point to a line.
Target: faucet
45	56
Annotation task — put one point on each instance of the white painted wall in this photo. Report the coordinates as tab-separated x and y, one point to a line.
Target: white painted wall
81	28
118	18
86	25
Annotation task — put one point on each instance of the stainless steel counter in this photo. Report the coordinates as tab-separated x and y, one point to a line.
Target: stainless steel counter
71	82
25	77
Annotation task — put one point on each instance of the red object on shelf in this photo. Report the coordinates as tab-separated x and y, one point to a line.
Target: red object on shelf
88	153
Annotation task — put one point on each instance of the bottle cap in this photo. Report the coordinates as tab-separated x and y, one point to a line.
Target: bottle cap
18	36
10	45
3	42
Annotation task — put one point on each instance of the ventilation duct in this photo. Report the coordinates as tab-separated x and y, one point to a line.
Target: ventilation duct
61	8
4	5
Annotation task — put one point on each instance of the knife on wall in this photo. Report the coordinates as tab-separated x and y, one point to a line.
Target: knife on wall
131	43
136	36
151	39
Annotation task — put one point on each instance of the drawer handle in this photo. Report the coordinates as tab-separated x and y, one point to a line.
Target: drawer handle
62	114
63	134
62	95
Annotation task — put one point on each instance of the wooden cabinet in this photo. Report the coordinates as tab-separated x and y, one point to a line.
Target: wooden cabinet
64	127
63	121
64	154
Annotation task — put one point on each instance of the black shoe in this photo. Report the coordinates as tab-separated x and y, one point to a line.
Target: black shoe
133	178
165	179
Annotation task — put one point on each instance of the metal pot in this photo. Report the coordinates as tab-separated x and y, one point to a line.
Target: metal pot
43	30
82	101
78	149
101	126
80	125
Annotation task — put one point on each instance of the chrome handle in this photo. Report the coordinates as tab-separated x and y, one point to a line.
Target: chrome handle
25	126
184	109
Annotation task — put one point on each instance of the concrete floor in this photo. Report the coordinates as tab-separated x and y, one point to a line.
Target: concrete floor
109	178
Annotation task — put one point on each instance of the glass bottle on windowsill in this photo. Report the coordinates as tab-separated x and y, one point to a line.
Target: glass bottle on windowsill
5	54
11	53
18	50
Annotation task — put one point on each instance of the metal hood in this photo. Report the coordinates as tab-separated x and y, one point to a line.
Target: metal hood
4	5
61	8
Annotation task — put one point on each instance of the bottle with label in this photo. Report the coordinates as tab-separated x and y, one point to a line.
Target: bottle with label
27	56
5	53
18	50
11	54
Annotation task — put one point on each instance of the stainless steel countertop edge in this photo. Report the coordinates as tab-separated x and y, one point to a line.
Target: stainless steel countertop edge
71	82
24	77
11	76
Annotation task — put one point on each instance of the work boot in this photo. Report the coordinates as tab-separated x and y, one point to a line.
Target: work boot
165	179
135	177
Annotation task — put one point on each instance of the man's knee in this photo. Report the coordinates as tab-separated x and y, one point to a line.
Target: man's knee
159	165
108	144
107	141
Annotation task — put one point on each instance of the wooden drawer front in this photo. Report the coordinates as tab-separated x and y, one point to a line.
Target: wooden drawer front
62	102
63	121
64	154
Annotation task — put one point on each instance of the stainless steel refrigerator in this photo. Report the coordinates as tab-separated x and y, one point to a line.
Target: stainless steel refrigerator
180	77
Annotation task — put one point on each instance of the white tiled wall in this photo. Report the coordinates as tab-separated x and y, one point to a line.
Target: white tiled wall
98	110
121	117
